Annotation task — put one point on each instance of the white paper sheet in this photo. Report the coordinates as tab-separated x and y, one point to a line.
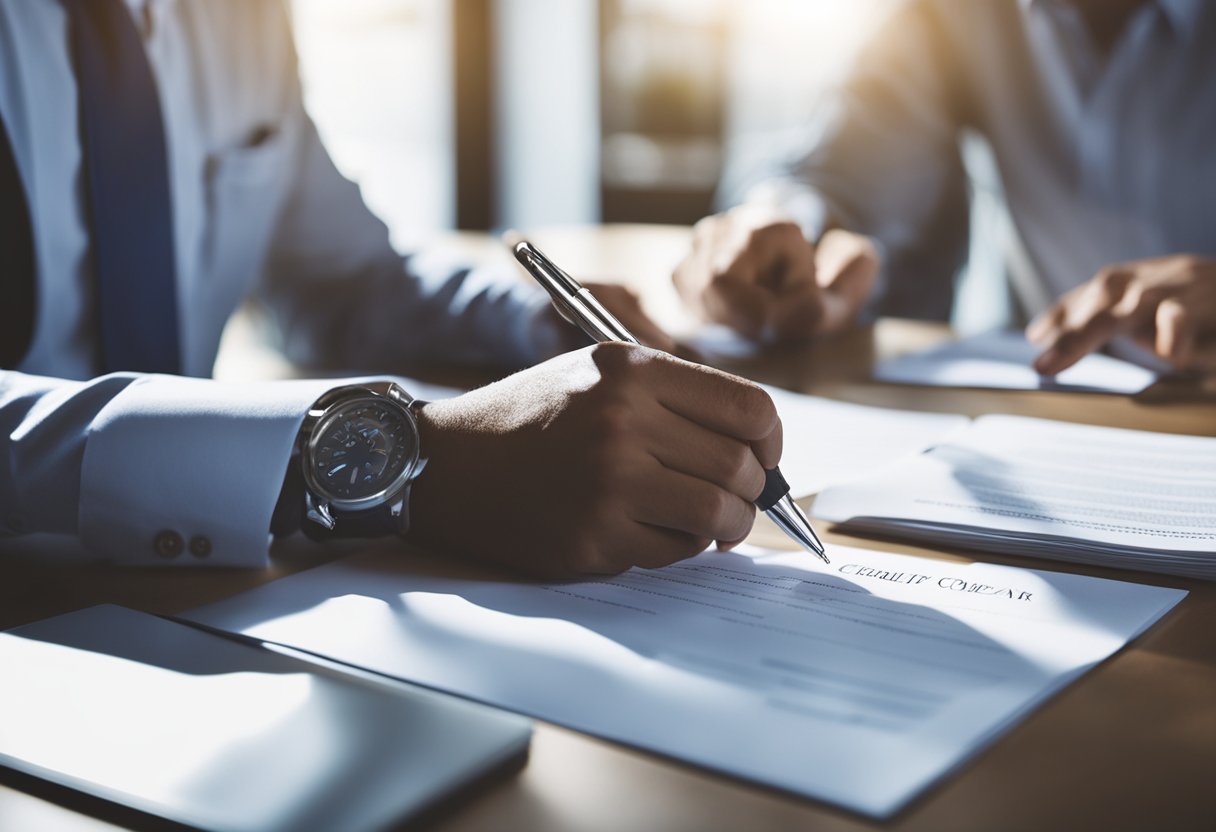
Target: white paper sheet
1113	497
858	683
828	442
1003	361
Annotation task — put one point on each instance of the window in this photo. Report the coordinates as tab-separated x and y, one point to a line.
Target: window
377	81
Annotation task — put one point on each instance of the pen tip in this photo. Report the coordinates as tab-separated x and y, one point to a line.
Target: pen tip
511	238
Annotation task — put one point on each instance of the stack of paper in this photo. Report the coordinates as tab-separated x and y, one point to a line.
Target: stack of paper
858	683
828	442
1104	496
1004	361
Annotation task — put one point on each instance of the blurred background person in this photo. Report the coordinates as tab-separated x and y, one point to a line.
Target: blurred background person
1098	116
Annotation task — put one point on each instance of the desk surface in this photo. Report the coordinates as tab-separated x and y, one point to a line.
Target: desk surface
1132	745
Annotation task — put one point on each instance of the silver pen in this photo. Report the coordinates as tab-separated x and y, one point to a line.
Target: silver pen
579	307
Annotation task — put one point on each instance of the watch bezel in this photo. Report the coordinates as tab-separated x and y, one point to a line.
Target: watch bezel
393	488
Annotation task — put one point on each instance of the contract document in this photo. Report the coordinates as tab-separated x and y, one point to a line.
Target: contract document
1004	361
1106	496
858	683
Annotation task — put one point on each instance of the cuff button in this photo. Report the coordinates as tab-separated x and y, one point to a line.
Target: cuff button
168	544
200	546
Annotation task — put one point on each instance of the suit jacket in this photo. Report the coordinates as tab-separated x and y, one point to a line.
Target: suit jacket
124	463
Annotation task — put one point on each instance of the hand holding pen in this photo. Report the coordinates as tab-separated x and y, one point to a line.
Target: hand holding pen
593	462
578	306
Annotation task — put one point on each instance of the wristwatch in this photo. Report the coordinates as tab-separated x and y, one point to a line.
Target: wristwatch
359	454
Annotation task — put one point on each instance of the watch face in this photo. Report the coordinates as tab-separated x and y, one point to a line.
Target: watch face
362	452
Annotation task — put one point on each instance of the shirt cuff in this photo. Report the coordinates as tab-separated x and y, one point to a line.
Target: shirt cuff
181	472
804	205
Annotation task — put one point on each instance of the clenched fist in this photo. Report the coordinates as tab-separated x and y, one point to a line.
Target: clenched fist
751	269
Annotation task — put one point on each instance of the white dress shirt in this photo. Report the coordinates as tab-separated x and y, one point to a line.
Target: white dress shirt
1103	157
259	210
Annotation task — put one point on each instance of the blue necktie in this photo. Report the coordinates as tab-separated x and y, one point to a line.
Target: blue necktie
127	187
17	277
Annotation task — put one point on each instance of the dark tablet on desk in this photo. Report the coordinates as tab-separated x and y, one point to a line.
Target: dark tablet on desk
216	734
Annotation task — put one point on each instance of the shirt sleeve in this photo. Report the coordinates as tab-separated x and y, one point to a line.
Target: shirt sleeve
148	470
881	157
341	297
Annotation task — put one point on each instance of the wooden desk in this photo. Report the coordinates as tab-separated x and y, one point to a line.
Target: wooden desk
1131	746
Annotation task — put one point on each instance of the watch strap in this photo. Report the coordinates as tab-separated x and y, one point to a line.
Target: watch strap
375	522
288	517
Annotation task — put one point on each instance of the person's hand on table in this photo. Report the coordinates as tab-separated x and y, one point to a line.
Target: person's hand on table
1167	304
598	460
751	269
